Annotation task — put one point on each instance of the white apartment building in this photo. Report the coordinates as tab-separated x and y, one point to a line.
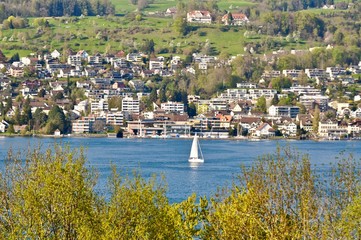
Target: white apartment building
309	101
83	125
173	107
330	128
74	60
283	111
156	63
115	118
99	105
315	72
257	93
293	73
335	72
304	90
218	104
130	105
246	85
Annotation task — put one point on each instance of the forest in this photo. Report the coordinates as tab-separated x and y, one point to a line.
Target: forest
51	195
55	8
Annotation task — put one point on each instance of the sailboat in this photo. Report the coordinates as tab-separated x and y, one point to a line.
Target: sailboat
196	155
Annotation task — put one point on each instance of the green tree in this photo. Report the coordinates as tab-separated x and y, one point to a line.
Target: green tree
27	115
10	129
315	120
56	120
275	100
50	197
281	82
137	209
261	104
180	25
39	119
115	102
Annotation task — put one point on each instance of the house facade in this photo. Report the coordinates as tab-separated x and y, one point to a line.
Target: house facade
199	16
236	19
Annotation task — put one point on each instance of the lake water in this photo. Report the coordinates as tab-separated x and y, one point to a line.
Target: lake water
169	157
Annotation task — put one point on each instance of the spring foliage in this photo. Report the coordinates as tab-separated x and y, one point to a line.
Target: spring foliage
51	195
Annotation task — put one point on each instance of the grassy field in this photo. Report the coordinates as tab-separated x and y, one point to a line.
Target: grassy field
112	34
122	32
124	6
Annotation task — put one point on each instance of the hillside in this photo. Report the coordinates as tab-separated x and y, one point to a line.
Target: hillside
265	32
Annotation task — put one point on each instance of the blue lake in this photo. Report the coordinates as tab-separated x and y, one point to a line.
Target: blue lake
169	157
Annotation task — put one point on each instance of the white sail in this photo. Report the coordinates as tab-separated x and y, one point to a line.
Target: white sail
195	156
194	149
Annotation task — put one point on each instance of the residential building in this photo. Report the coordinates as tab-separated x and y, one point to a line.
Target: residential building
303	90
283	111
236	19
130	105
310	101
218	104
293	73
246	85
264	131
199	16
330	128
74	60
115	118
257	93
17	71
173	107
97	106
315	73
83	125
156	63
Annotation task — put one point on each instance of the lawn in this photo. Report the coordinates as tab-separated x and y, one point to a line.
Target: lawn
124	6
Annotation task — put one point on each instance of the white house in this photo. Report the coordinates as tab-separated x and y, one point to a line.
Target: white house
236	19
3	126
55	54
264	130
199	16
156	63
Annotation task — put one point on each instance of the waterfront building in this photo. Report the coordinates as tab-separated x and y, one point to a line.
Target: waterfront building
130	105
283	111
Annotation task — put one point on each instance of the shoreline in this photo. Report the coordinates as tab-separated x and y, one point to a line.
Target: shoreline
171	138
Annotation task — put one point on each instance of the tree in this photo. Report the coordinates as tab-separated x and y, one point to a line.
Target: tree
56	120
261	104
275	100
192	110
137	208
275	198
115	102
315	120
281	82
14	58
149	46
11	129
98	126
27	115
180	25
39	119
41	93
51	196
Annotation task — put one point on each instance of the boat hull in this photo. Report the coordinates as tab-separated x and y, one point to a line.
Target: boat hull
195	160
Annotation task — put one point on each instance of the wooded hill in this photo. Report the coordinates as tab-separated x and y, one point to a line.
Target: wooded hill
44	8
